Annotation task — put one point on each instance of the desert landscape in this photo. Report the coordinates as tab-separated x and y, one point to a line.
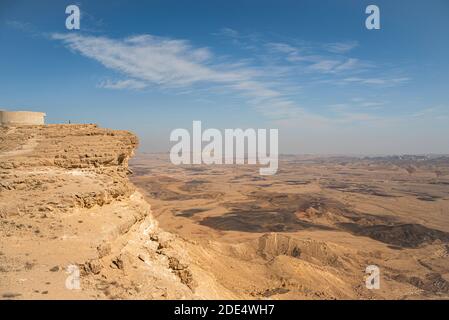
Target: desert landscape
139	227
310	230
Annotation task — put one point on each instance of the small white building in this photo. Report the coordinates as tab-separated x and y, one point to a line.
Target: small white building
11	118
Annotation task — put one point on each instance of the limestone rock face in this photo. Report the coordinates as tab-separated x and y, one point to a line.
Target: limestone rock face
60	167
66	204
65	146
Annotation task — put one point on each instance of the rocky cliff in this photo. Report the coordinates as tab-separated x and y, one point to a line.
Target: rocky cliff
66	205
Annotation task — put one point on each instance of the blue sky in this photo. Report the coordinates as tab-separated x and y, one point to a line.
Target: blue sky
309	68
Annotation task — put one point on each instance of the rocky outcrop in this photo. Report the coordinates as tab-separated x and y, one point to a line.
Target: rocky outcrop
62	167
65	146
65	199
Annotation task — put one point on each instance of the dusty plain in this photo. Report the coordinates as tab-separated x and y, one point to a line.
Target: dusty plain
310	230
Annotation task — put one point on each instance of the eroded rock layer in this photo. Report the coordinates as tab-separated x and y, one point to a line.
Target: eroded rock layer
66	205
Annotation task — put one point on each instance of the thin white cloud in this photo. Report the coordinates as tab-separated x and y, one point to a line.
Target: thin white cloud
227	32
372	104
291	53
337	65
325	65
281	47
437	112
122	84
349	64
341	47
377	81
20	25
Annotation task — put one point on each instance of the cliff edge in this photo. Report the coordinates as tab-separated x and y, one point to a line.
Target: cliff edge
69	212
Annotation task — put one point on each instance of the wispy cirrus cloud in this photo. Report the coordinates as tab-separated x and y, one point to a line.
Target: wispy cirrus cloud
325	65
154	60
228	32
377	81
122	84
314	58
267	81
440	112
20	25
146	61
23	26
341	47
